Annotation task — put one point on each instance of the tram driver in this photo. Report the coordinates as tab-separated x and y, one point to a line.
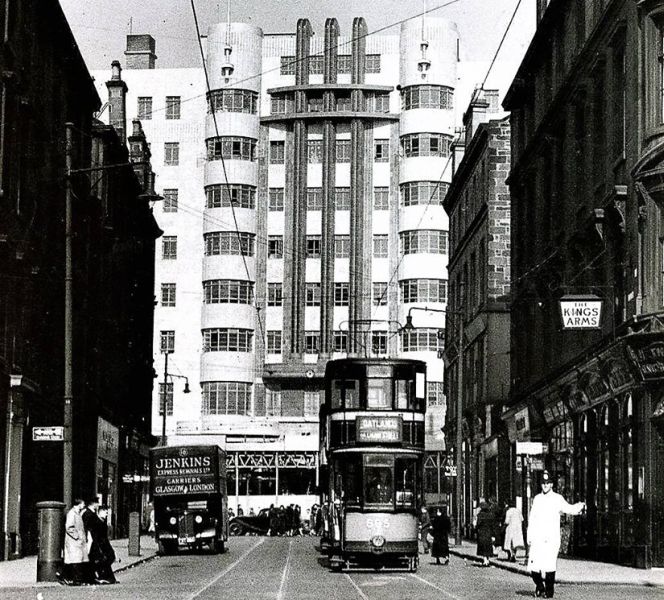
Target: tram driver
379	486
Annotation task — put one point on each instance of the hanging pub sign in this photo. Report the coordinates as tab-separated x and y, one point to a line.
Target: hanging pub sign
581	312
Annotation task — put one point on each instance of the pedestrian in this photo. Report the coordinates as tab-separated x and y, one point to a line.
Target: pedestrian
231	513
485	533
102	555
240	512
272	520
544	535
251	512
440	529
152	525
289	519
476	511
313	519
425	528
297	519
497	514
513	531
76	547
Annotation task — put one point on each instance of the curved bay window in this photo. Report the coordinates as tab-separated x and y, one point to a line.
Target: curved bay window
243	101
231	148
427	96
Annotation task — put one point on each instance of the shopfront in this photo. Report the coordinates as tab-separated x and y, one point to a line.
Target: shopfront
108	442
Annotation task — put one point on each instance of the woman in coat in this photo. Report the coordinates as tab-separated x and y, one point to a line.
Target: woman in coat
513	531
102	555
485	533
440	530
76	546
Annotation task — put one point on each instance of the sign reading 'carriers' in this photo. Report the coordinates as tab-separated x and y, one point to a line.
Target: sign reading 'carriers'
378	429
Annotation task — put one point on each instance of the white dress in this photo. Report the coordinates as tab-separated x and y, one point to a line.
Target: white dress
544	529
513	530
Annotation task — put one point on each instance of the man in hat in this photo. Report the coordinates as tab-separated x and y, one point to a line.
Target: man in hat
544	535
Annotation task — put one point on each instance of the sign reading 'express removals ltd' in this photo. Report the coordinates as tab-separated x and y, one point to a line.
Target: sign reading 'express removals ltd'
581	312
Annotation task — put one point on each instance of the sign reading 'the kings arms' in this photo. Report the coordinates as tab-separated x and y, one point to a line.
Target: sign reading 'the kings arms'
581	312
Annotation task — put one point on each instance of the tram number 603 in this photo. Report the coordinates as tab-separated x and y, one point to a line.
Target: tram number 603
376	524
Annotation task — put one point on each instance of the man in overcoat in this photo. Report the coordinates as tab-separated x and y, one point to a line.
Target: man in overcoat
76	546
544	535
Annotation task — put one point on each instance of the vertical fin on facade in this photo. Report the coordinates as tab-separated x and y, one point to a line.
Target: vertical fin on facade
359	50
331	51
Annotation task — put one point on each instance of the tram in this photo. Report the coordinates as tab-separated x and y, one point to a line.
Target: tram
372	448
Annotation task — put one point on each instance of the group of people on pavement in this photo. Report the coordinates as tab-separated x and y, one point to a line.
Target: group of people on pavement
88	555
435	533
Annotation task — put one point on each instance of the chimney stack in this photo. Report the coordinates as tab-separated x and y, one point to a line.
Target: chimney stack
117	101
140	52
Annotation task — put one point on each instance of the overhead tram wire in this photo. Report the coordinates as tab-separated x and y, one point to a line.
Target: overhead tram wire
500	45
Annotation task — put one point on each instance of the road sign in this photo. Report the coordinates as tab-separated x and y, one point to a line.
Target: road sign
450	470
531	448
48	434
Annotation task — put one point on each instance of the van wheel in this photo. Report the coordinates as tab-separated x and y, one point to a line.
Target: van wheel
236	529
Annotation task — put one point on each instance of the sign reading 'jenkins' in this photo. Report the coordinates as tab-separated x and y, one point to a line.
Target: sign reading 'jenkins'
581	312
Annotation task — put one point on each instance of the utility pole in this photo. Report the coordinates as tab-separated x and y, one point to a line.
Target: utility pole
68	339
459	433
164	398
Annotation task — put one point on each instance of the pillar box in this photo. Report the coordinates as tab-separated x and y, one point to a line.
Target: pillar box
51	523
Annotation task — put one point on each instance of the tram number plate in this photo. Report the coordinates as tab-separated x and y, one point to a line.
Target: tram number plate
377	524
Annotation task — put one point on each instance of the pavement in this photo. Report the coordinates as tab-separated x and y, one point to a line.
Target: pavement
22	572
571	570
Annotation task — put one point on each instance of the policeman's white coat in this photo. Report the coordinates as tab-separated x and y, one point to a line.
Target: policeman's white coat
544	529
76	543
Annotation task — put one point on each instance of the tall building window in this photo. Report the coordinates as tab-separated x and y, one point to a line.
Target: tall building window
169	247
311	404
436	393
275	246
228	291
382	150
170	200
426	144
234	194
313	246
277	152
380	246
166	399
427	96
341	294
168	294
279	105
379	102
420	339
343	103
372	64
145	108
272	403
340	341
275	294
423	290
239	101
314	199
315	151
311	342
172	107
315	103
224	339
288	65
379	342
312	294
344	63
273	342
171	154
231	148
342	246
226	398
381	198
342	151
342	198
423	192
167	341
424	241
316	64
276	199
379	293
229	243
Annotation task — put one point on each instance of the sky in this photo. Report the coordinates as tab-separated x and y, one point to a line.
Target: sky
100	26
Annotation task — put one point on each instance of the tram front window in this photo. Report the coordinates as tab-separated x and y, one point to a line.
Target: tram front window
405	475
378	394
378	484
345	393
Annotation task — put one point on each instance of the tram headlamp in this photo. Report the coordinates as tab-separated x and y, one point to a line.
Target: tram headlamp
198	519
172	520
377	541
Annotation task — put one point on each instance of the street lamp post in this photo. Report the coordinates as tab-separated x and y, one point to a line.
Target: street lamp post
165	394
459	411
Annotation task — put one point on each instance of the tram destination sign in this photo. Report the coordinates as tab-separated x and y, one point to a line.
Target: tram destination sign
378	429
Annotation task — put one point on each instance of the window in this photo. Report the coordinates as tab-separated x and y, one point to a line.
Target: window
316	104
171	154
169	247
166	398
170	200
427	96
343	103
313	246
316	64
423	192
226	398
167	341
239	101
423	290
274	342
279	105
172	107
424	241
342	246
228	291
275	294
229	243
222	339
311	404
234	194
272	403
381	150
340	341
288	65
231	148
277	152
379	102
420	339
379	293
315	150
436	393
372	64
380	246
275	246
426	144
342	148
314	199
145	108
344	63
311	342
312	294
276	199
342	198
341	294
379	342
168	294
381	198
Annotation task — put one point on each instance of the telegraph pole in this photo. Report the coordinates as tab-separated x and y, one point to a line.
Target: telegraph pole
459	433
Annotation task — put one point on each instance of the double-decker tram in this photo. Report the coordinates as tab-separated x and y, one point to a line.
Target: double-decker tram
372	441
